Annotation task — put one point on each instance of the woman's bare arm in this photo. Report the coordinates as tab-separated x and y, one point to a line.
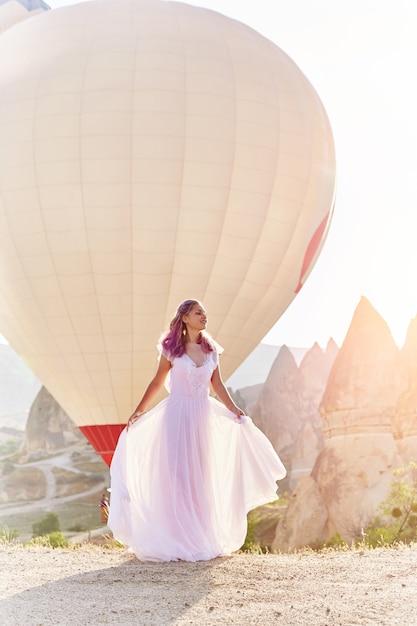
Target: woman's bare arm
221	392
152	390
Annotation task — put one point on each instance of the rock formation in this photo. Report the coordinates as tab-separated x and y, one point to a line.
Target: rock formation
304	520
353	471
313	375
287	407
277	410
364	384
405	419
247	397
48	426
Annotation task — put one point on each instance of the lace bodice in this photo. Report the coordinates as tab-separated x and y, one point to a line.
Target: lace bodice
189	380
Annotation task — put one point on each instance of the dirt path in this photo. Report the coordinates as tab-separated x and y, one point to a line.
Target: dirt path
93	586
48	503
62	460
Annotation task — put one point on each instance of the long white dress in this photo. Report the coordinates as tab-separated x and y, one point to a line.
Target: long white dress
187	472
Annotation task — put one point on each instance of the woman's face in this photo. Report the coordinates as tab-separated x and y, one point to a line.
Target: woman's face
196	318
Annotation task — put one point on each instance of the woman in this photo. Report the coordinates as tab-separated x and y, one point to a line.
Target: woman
185	474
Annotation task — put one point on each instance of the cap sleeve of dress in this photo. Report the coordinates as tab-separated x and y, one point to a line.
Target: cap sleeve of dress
218	348
163	352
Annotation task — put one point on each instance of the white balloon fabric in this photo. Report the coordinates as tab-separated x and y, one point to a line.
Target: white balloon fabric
150	152
14	11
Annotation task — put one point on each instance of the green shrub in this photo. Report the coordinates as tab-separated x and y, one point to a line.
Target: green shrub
398	520
39	541
50	540
401	502
9	447
57	540
251	544
7	535
49	523
336	541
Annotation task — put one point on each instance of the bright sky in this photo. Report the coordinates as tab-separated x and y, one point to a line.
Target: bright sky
361	58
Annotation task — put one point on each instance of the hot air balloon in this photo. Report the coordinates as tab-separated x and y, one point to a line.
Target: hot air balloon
14	11
150	152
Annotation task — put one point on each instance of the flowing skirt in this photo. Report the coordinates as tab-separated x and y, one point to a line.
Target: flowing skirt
184	477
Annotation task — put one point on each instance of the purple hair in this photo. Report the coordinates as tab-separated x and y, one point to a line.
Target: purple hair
175	339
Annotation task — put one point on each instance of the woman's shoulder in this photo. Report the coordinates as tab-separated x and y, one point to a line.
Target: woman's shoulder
163	352
217	348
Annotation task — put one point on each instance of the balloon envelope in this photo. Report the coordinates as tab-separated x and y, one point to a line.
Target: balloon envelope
14	11
150	152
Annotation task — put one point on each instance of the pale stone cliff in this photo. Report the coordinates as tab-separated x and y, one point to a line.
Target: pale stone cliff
363	386
276	411
405	420
313	375
362	429
48	426
287	408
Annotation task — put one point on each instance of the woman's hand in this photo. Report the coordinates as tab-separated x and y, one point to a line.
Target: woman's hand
223	395
133	418
238	412
153	388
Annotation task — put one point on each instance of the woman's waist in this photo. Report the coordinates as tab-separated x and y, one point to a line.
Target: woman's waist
178	395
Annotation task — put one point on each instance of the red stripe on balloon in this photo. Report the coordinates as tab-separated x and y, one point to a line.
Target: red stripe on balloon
311	250
103	438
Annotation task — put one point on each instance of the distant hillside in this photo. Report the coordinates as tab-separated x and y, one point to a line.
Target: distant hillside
18	388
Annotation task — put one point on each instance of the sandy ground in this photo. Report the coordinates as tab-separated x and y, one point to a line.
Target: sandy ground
92	585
